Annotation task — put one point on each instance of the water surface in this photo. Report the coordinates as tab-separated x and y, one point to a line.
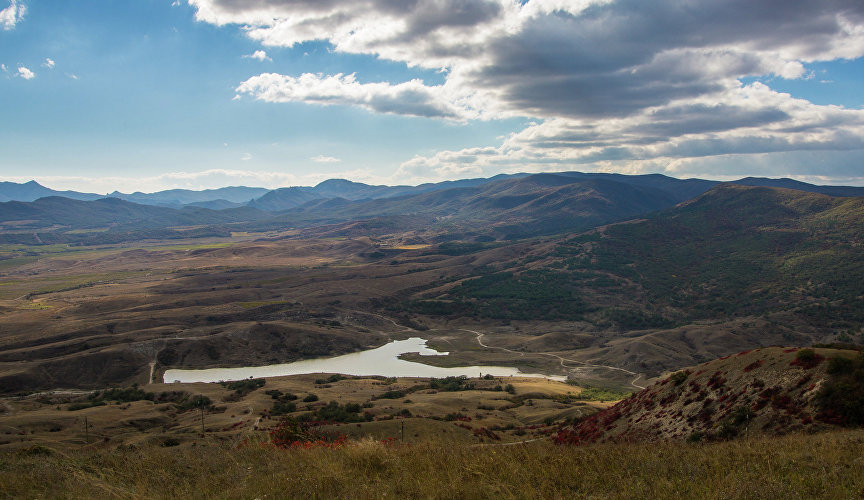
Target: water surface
383	360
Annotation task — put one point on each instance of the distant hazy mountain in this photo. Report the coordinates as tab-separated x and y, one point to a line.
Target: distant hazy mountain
216	204
341	188
284	198
179	197
31	191
111	212
287	198
801	186
504	206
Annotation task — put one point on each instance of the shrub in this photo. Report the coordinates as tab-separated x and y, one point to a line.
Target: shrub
840	366
390	395
283	408
126	395
84	406
451	384
244	387
311	398
591	393
35	450
807	358
293	434
679	378
281	396
194	403
841	399
334	412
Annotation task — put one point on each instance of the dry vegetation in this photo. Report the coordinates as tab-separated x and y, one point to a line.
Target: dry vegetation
469	411
826	465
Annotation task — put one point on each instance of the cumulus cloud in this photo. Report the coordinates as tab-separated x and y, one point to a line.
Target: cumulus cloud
325	159
25	73
49	63
259	55
623	84
749	123
408	98
10	16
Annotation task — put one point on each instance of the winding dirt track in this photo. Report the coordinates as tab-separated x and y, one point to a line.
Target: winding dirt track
560	359
479	337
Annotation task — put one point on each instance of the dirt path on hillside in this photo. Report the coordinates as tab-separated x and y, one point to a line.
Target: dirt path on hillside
560	358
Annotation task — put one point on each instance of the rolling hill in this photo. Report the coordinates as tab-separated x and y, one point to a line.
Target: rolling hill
736	268
766	391
52	211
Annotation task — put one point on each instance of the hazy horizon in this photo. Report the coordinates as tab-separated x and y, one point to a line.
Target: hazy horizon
383	184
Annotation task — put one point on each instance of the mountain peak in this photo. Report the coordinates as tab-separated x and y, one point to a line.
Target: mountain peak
337	182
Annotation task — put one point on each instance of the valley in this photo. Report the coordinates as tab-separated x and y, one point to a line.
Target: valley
607	306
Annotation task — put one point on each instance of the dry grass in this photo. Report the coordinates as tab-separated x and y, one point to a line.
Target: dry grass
828	465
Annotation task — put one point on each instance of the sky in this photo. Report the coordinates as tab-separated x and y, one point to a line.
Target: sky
145	95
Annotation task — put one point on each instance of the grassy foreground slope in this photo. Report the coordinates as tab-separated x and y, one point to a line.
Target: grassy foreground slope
826	465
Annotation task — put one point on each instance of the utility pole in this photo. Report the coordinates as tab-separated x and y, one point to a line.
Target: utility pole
201	400
86	431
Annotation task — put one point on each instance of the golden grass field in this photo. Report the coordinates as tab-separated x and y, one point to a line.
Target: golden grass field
826	465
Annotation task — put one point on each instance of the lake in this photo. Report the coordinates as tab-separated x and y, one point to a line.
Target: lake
383	361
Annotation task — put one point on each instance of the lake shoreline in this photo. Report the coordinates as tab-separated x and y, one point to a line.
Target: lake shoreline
380	361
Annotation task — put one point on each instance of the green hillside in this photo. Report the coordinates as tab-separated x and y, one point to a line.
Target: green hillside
734	251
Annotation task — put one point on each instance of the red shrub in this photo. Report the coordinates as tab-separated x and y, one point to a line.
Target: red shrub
752	366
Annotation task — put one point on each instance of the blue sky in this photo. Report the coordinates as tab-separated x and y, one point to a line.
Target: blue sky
155	94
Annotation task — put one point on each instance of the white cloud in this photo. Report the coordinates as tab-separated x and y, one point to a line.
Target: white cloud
49	63
72	76
411	98
751	123
246	157
25	73
259	55
10	16
325	159
623	84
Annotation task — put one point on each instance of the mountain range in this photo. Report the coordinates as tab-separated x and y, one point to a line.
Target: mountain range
501	207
